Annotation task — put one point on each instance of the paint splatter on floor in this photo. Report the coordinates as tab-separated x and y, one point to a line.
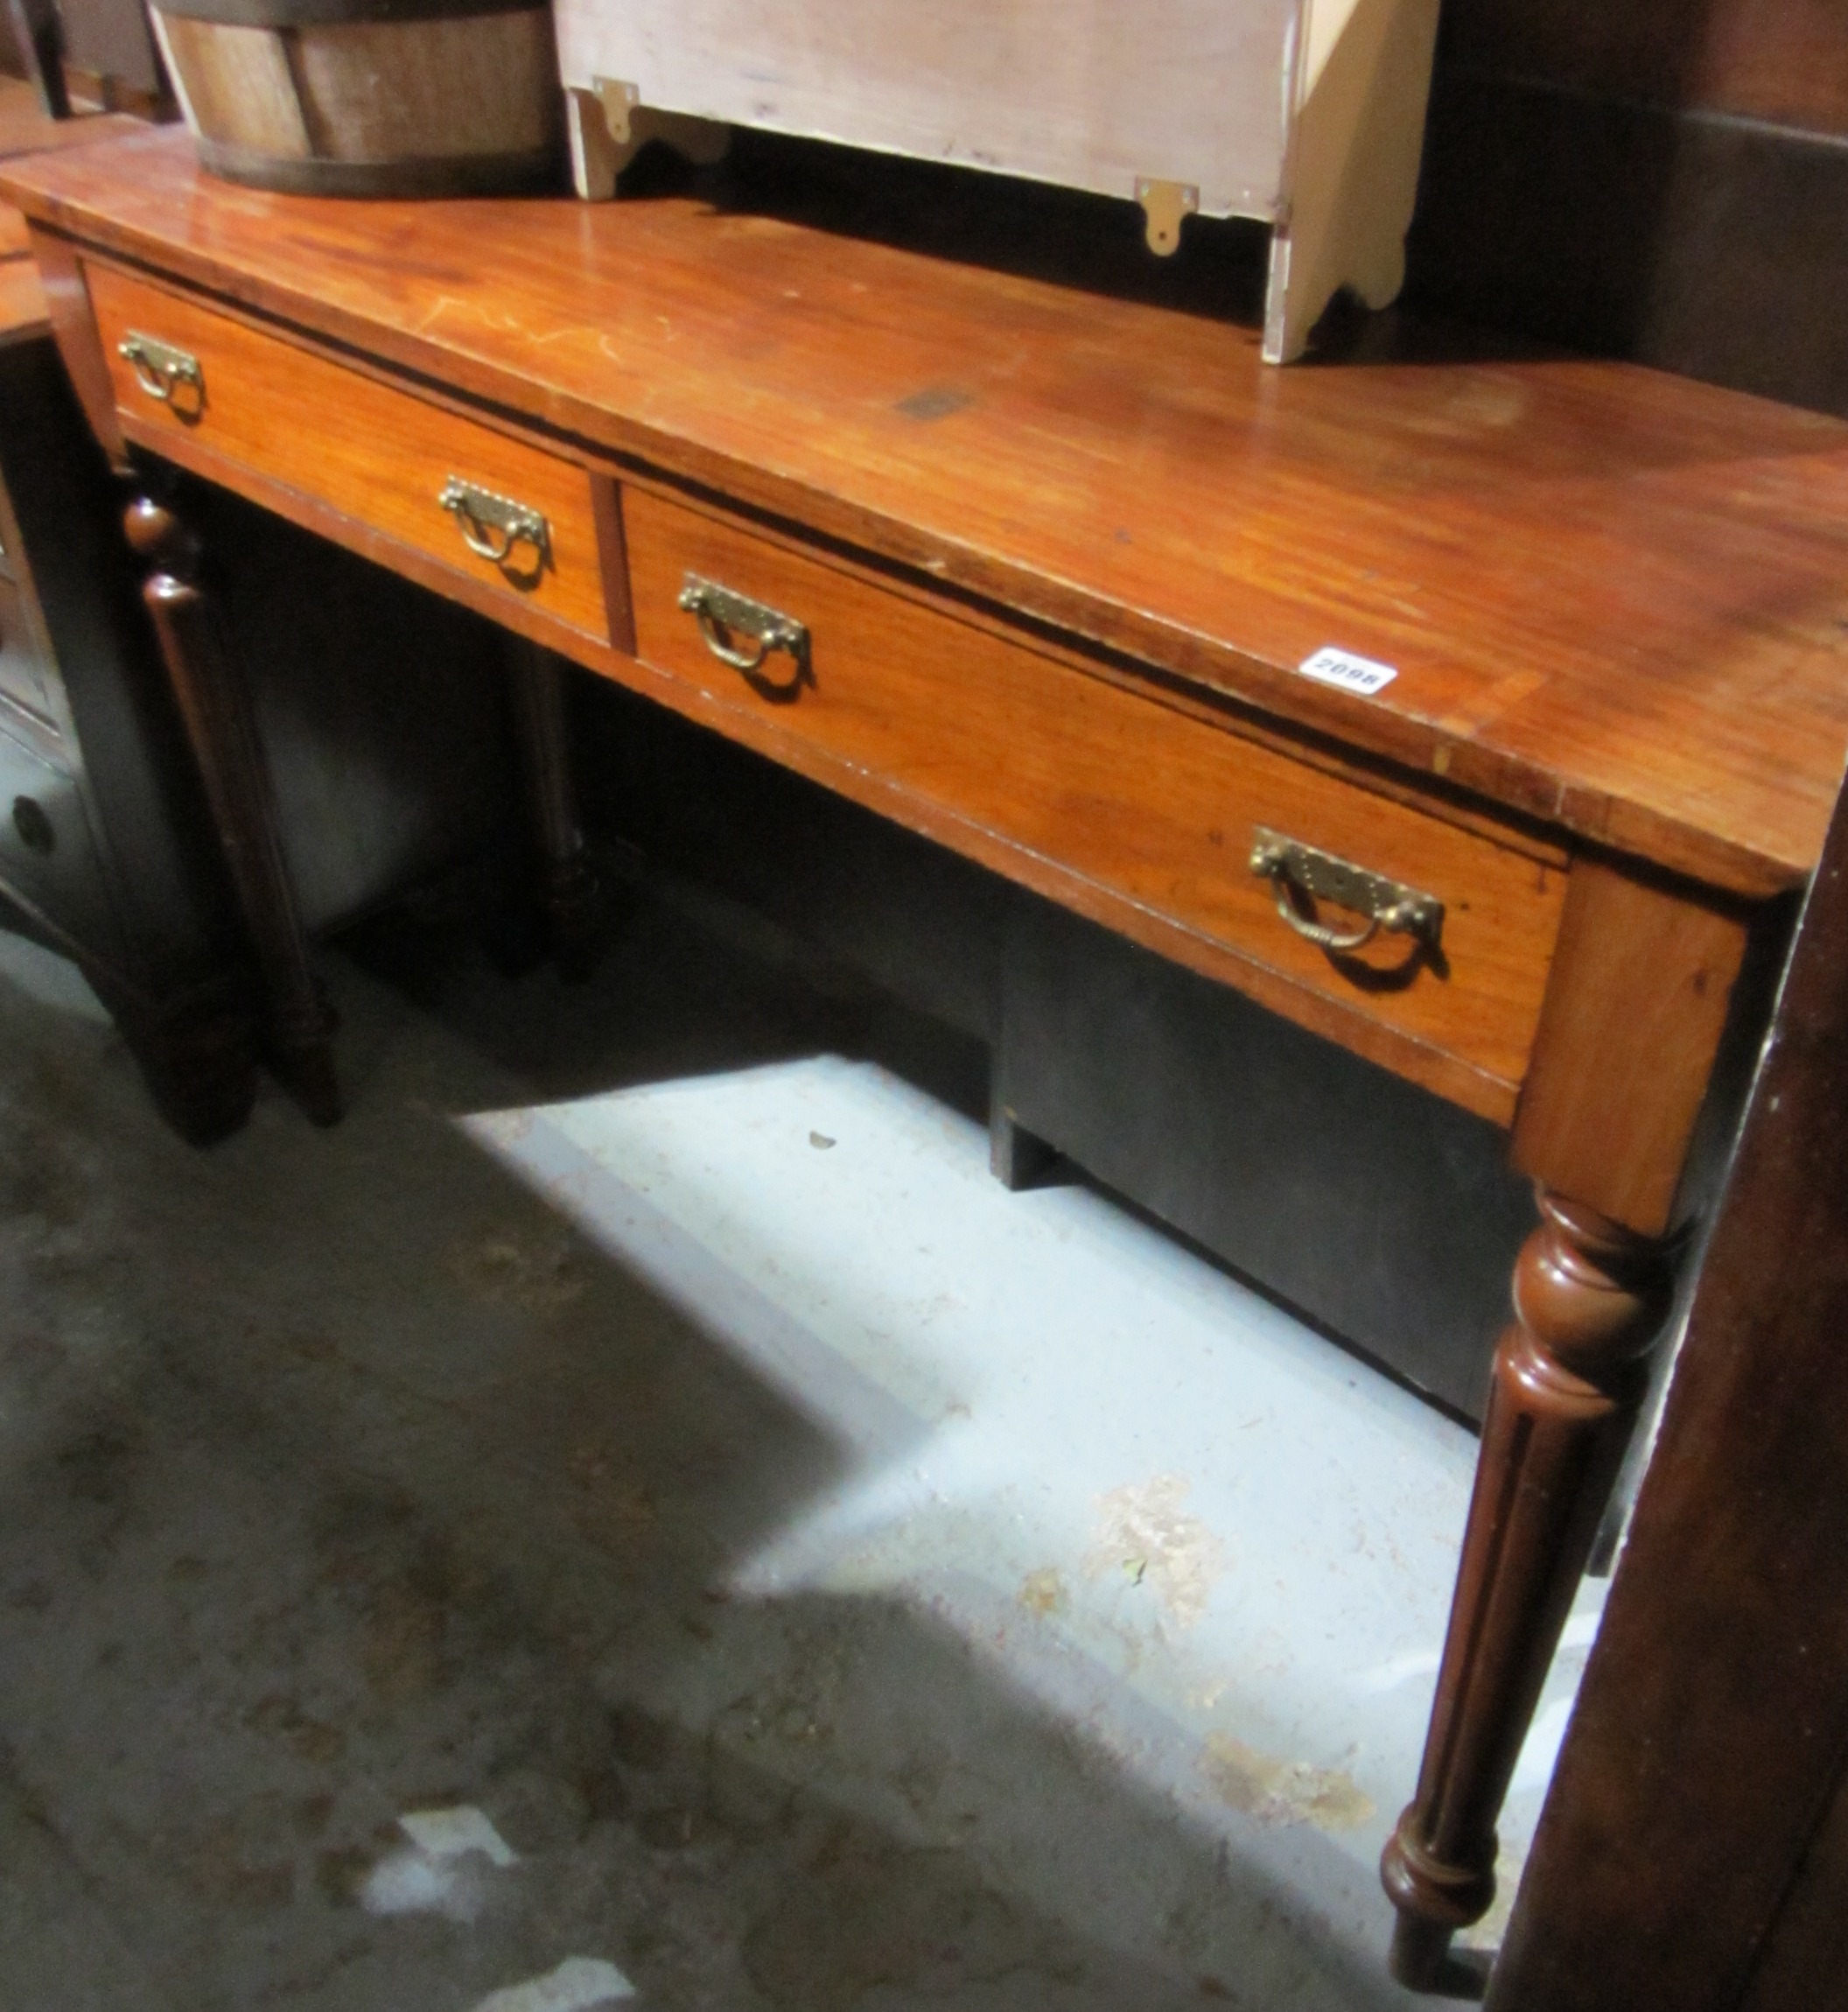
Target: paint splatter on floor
1144	1531
577	1984
1276	1791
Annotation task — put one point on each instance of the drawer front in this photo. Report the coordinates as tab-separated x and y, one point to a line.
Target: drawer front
24	674
10	568
379	456
1152	806
47	854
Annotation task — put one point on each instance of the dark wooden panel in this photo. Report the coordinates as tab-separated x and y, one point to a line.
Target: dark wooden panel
1699	245
382	708
1384	1216
1784	61
1804	1964
914	916
1510	533
1705	1752
99	682
109	867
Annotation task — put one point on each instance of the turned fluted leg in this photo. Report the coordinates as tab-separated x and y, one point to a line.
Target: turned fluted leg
1589	1297
214	702
568	891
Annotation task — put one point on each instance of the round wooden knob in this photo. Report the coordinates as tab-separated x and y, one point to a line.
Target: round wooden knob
1589	1290
156	535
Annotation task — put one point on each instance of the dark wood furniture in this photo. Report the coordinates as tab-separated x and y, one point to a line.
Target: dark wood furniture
105	851
382	722
1034	572
1663	180
1693	1853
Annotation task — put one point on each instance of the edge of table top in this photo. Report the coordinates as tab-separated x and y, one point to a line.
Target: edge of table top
1617	601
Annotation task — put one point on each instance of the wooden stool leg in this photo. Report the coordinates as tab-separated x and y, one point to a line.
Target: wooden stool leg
214	702
573	901
1589	1297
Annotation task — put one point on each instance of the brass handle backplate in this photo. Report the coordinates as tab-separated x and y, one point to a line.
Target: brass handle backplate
1300	872
161	370
494	528
725	616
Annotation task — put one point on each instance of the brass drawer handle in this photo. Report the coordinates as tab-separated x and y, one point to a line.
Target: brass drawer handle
723	615
494	528
1300	871
160	369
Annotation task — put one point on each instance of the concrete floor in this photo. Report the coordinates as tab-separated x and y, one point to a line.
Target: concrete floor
798	1575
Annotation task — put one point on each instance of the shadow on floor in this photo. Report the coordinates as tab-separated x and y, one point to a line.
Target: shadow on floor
339	1475
692	985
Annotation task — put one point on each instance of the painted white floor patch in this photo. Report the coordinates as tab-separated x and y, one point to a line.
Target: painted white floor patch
436	1875
412	1882
578	1983
1156	1506
454	1832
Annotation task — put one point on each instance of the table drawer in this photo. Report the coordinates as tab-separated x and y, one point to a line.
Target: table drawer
1150	805
47	854
377	455
22	671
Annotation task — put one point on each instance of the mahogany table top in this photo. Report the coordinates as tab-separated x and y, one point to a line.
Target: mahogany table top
1616	600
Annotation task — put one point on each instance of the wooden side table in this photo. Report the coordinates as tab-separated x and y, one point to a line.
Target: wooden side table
1478	714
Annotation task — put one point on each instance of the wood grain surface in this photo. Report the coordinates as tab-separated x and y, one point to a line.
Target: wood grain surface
1615	601
370	451
1783	60
1692	1852
971	731
1627	1041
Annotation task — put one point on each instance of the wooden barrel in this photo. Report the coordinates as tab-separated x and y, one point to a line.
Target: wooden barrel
368	97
